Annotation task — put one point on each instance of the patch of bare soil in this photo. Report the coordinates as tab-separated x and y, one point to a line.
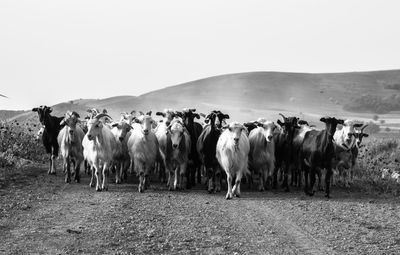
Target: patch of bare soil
41	214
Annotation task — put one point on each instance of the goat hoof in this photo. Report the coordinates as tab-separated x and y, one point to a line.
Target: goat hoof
237	195
327	196
98	189
228	196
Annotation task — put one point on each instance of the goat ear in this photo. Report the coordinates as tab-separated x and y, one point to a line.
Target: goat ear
192	110
340	122
226	116
34	109
149	113
114	124
323	119
197	116
207	120
358	125
365	135
225	127
62	123
76	114
202	115
50	109
259	124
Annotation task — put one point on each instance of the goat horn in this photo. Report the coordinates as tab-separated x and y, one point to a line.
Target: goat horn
101	115
363	127
282	116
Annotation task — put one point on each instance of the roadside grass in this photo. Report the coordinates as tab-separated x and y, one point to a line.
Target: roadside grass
376	155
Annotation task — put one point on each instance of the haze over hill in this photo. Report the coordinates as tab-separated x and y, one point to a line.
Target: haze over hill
247	96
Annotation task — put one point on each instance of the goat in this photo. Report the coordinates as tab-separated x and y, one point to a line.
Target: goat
232	153
99	148
70	142
346	158
175	149
143	149
51	130
297	143
317	151
344	137
194	130
284	156
206	147
262	151
121	132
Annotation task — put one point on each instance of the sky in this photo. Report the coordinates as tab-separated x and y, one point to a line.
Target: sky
54	51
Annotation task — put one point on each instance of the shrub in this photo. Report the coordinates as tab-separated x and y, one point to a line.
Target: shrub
376	155
17	141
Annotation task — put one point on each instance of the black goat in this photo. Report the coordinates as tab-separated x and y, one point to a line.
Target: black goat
206	147
317	151
51	129
194	129
284	153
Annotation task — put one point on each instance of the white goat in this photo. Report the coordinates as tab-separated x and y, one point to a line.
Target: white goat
99	148
232	153
143	149
344	137
70	142
262	151
121	132
174	149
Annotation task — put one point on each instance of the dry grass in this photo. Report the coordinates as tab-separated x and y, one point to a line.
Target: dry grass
376	155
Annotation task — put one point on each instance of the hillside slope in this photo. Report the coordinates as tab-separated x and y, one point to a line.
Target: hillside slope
250	95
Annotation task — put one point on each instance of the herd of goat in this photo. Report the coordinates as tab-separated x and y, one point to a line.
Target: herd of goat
182	151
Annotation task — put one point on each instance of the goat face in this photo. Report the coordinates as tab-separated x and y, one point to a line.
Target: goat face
168	115
268	129
236	131
217	118
70	120
189	115
122	129
289	125
94	128
176	130
146	122
359	136
43	112
331	124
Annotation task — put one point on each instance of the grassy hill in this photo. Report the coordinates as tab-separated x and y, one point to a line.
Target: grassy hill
247	96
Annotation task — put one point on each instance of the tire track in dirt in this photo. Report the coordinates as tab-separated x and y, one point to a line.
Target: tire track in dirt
301	241
258	215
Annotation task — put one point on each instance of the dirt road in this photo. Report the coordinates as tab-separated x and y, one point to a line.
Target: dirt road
41	214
